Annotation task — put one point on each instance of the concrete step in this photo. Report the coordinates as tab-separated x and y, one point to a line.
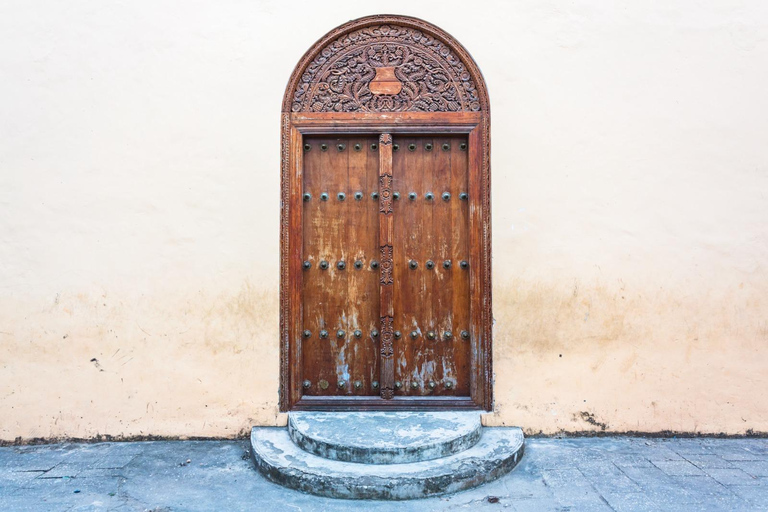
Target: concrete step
384	437
279	459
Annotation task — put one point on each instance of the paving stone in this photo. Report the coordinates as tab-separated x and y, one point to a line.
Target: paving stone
63	469
678	468
755	495
709	461
630	502
732	476
738	453
754	468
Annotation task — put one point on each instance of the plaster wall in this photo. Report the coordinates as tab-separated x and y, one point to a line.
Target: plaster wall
139	207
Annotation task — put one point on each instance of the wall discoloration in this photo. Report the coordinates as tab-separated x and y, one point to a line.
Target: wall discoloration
643	360
139	213
196	364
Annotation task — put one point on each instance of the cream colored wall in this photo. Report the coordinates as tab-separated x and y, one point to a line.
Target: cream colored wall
139	184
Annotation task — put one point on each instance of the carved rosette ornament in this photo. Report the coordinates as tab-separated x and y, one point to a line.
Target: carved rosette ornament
387	353
386	265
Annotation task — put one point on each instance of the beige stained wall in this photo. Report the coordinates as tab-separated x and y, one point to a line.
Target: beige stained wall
139	208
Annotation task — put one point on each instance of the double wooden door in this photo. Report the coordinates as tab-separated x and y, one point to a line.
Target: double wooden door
385	287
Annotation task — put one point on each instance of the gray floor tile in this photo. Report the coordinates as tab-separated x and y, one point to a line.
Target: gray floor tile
732	476
678	468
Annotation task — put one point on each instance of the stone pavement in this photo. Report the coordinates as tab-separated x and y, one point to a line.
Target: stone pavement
601	474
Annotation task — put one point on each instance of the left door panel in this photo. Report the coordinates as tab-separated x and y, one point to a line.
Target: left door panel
340	277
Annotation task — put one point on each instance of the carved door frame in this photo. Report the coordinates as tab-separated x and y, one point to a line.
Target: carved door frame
325	95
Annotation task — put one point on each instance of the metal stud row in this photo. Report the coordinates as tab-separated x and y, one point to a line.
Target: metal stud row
428	146
340	147
429	196
341	383
359	195
341	196
341	333
357	333
413	264
430	385
323	384
341	264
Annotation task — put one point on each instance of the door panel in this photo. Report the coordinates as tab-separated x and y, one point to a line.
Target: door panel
431	305
342	292
340	303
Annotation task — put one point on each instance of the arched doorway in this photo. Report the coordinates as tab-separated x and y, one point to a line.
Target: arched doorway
385	222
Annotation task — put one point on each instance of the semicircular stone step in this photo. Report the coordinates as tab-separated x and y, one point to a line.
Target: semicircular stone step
281	461
384	437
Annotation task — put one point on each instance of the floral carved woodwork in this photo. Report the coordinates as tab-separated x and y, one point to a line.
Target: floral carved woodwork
386	68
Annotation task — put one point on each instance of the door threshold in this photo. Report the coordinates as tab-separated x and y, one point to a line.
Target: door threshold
404	403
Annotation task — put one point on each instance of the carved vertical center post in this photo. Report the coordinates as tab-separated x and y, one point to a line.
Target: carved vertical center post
386	235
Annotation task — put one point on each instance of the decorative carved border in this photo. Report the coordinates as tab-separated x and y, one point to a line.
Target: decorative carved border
484	398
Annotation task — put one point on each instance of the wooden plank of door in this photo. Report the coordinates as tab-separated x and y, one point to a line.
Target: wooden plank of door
362	304
386	236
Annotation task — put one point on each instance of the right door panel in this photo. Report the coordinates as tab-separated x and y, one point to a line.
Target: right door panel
431	266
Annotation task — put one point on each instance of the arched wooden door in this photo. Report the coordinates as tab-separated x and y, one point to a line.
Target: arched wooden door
385	222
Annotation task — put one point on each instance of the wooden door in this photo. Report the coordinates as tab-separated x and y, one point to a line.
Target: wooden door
385	277
385	296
